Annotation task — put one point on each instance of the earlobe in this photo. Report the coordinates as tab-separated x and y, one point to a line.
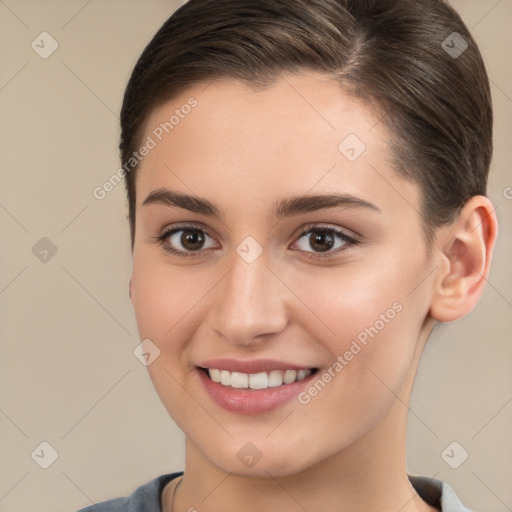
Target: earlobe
465	260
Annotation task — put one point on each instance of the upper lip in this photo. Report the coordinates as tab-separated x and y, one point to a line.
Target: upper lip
251	366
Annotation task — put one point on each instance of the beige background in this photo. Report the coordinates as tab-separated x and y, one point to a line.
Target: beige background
68	373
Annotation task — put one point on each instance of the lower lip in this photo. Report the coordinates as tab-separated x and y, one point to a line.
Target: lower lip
252	401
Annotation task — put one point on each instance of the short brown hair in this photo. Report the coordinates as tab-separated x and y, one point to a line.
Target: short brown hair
394	53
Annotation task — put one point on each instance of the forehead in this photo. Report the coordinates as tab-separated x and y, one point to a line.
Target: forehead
302	133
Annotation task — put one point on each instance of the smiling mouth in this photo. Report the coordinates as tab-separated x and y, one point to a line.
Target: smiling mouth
261	380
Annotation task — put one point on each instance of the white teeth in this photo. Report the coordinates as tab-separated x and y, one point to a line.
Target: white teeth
302	374
275	378
239	380
225	377
260	380
215	375
289	376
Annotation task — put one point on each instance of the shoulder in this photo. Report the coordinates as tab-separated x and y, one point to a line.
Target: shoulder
438	494
146	498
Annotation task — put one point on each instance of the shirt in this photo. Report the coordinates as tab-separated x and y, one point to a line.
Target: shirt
148	497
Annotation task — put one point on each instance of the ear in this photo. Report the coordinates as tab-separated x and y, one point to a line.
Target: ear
465	249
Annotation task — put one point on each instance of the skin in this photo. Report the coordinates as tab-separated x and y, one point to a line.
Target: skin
243	150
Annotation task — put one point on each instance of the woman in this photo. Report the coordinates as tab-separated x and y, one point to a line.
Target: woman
306	183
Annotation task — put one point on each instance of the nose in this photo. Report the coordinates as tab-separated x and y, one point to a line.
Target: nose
250	303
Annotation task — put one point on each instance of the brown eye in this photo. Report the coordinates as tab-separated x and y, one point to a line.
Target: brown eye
324	241
321	241
192	240
186	241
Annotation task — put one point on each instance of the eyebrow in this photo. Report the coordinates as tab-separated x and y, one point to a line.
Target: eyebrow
282	208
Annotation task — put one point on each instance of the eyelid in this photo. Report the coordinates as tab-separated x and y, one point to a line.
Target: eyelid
168	231
183	225
349	233
349	239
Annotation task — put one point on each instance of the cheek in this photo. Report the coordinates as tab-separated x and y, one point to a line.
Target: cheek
371	354
163	297
168	302
352	302
368	320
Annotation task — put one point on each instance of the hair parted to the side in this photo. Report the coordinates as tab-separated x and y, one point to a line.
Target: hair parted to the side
389	52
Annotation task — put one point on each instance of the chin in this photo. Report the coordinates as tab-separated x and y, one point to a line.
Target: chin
249	461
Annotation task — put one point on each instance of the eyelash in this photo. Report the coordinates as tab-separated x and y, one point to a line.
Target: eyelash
347	239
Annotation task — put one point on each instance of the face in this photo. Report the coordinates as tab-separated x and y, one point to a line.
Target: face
253	278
